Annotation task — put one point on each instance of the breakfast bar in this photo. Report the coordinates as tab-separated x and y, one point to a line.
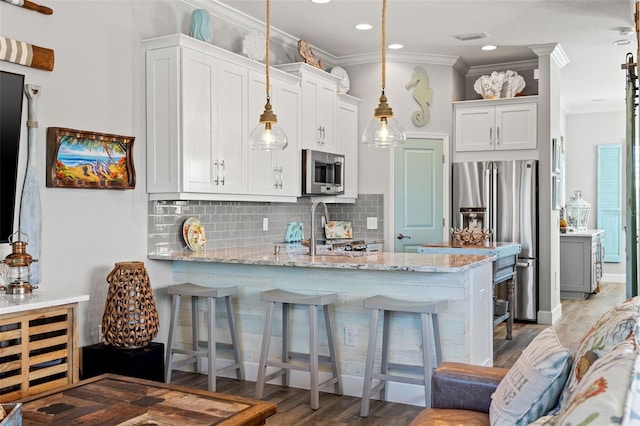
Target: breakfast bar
465	281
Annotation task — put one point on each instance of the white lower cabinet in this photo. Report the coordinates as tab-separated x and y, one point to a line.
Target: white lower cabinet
201	107
581	257
276	173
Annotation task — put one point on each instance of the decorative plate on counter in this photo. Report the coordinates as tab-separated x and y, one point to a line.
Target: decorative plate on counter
338	229
194	234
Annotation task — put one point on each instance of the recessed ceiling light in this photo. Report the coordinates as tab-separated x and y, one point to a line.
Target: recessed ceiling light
489	47
395	46
598	100
363	27
320	1
622	42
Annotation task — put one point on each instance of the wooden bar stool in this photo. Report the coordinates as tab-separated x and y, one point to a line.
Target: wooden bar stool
196	292
429	313
312	359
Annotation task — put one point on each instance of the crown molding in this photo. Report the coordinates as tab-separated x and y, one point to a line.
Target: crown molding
515	66
423	58
554	50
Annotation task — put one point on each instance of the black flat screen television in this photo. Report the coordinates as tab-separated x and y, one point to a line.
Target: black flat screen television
11	98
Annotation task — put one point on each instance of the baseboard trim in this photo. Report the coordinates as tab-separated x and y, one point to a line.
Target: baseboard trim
614	278
550	317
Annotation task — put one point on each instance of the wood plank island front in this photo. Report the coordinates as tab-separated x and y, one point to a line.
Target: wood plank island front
465	281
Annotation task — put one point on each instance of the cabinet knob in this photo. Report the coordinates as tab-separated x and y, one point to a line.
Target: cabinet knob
223	172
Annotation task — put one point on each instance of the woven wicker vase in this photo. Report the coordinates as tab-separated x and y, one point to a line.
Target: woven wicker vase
130	318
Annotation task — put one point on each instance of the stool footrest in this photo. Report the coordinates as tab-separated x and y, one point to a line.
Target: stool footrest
219	345
228	368
287	365
188	352
403	379
406	367
277	373
323	359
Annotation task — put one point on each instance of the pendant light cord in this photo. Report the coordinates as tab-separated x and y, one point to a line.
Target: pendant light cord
384	24
267	47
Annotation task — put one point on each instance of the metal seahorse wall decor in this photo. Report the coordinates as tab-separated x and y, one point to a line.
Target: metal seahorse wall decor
422	93
30	211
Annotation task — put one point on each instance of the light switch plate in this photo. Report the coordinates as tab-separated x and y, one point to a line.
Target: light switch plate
372	223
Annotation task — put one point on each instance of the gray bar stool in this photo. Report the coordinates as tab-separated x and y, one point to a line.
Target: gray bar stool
196	291
312	359
428	311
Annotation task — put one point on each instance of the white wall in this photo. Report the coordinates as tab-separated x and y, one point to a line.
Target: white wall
373	163
584	133
97	85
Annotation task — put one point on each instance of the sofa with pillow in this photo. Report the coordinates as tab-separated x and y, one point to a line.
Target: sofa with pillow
599	384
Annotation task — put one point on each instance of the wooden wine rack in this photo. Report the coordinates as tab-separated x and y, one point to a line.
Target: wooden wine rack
38	351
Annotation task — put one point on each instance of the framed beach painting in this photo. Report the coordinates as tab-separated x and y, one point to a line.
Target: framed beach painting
83	159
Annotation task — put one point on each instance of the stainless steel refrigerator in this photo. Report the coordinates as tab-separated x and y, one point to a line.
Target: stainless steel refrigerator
509	192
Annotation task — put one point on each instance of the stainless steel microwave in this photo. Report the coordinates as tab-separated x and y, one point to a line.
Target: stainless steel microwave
322	173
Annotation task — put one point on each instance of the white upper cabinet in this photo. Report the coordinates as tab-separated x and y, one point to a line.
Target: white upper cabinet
276	173
198	123
319	90
501	124
347	139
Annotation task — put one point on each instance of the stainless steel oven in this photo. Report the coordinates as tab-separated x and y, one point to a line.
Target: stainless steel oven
322	173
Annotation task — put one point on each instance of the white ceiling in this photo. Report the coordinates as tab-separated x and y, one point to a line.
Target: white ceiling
585	29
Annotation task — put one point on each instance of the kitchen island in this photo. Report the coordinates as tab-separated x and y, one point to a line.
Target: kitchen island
465	281
504	269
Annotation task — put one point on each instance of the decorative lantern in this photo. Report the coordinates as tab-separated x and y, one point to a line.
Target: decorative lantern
578	212
130	318
16	267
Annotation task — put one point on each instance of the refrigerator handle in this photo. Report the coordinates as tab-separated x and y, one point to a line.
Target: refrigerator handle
486	191
494	200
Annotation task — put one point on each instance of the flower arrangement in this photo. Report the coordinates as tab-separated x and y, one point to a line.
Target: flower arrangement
470	236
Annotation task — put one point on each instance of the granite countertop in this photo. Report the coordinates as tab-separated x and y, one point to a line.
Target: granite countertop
294	255
12	303
492	248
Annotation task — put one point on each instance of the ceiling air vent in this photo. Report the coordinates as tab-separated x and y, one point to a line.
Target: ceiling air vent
473	36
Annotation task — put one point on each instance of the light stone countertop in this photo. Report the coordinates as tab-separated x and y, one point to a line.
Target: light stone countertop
294	255
499	249
12	303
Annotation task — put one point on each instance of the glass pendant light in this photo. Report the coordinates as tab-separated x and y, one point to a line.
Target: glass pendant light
384	130
268	135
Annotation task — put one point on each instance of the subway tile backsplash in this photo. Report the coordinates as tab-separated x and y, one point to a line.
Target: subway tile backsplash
239	224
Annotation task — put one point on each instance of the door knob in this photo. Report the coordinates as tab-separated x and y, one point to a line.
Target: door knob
401	236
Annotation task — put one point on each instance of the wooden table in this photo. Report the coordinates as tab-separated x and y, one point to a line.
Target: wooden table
117	400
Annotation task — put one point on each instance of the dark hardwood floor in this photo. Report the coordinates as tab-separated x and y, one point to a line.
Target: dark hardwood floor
293	404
